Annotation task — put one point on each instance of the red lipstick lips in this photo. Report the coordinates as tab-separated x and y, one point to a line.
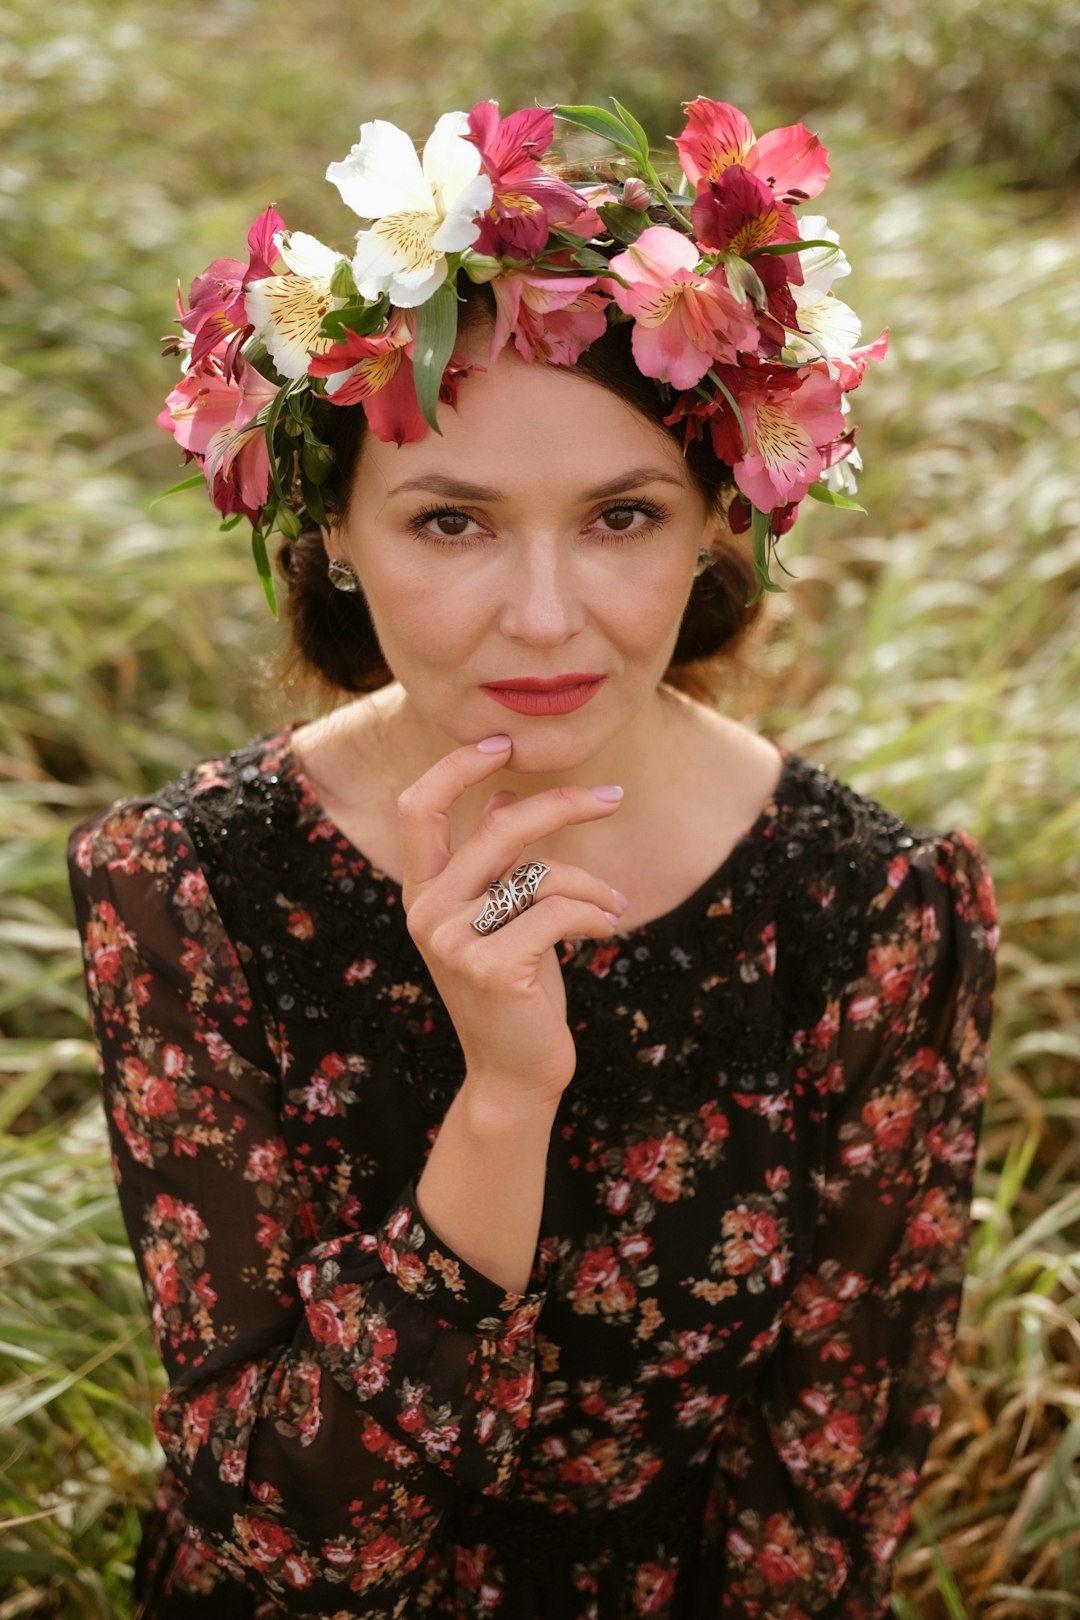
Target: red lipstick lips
559	694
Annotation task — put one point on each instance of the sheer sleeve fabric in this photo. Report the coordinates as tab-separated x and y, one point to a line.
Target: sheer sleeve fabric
325	1399
817	1465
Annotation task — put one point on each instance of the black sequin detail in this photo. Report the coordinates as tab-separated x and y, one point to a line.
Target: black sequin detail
806	871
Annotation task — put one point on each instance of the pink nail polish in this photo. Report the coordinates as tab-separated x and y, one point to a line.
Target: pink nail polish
494	745
612	919
621	898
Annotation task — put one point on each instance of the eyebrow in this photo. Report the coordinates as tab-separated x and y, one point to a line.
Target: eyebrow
438	484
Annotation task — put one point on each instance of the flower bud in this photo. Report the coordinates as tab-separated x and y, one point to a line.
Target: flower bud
289	523
636	195
481	267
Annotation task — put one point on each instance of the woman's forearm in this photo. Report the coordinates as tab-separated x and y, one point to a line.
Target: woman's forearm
482	1189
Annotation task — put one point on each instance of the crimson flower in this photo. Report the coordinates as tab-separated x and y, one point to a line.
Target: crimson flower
527	202
216	311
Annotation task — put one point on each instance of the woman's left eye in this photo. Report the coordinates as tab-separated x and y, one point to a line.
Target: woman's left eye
629	510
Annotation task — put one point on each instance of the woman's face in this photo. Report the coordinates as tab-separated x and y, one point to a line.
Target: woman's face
550	530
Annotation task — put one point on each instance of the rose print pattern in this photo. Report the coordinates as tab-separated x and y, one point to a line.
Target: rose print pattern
719	1389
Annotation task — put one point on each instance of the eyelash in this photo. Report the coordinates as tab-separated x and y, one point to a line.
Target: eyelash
417	525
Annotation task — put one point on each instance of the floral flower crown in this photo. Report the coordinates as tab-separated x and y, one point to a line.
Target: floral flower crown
730	298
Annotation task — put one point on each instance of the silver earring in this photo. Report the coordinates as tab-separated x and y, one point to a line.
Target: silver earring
704	559
342	574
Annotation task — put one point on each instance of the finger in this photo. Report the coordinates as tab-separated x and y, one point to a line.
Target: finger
571	882
506	831
506	796
422	809
533	932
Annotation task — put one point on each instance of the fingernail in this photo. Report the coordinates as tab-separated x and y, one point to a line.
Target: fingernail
621	898
612	919
608	794
494	745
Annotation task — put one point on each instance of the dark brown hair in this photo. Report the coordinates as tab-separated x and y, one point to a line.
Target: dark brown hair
333	648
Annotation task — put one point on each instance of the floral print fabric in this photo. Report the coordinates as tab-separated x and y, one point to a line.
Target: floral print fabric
718	1392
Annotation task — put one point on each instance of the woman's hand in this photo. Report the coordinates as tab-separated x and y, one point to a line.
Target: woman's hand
504	991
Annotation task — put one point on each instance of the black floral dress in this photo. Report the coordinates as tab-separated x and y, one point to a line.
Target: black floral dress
718	1392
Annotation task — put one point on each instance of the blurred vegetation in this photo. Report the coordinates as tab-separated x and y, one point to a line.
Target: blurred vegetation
929	653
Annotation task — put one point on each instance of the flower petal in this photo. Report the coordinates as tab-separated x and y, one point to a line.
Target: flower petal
286	312
821	266
396	256
381	174
795	161
716	136
460	227
450	162
306	256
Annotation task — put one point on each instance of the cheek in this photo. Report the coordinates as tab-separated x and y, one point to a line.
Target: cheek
418	614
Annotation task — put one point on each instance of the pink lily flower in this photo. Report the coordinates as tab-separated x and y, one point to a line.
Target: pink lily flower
791	417
791	161
216	311
528	203
551	318
684	322
376	372
210	413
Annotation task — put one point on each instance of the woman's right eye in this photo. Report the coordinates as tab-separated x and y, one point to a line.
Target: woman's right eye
451	526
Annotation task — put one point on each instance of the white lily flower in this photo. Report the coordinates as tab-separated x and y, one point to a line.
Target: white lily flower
834	323
287	311
422	212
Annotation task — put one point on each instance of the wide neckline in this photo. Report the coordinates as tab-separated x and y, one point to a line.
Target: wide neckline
279	745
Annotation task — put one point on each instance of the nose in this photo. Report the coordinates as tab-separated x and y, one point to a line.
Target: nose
542	603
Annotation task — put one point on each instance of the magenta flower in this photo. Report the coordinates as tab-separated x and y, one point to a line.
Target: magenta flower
683	321
528	202
791	417
551	318
211	415
737	213
790	161
216	312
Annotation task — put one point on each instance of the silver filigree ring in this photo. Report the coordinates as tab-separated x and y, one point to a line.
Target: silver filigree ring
508	897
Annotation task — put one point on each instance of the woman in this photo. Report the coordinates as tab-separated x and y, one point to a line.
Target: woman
544	1111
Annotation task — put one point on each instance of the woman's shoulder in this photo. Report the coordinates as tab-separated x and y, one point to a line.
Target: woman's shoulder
150	829
857	858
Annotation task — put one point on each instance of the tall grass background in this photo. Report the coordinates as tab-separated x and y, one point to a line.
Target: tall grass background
928	651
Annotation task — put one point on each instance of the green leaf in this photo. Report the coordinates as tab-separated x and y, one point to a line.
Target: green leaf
436	329
174	489
733	402
589	259
829	497
230	522
625	224
599	122
761	533
635	128
743	279
313	501
776	248
262	563
363	318
273	412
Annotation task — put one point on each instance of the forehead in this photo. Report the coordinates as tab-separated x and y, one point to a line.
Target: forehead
545	427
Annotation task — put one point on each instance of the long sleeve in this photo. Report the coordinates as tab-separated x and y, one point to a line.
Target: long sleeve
817	1465
326	1400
